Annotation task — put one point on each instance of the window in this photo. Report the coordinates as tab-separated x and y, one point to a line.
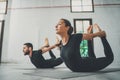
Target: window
80	26
3	6
82	6
1	36
3	12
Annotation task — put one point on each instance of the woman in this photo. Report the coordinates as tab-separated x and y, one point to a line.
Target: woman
70	52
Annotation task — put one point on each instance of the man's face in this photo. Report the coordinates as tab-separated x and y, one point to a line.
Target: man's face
26	50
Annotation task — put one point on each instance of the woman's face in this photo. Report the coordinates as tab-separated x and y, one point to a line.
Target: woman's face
61	28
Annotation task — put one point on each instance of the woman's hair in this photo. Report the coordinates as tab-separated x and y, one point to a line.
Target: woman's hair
67	23
29	45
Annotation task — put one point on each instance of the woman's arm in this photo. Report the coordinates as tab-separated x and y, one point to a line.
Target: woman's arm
45	49
93	35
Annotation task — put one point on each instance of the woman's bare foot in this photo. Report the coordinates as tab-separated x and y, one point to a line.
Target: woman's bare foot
89	30
100	32
97	27
46	43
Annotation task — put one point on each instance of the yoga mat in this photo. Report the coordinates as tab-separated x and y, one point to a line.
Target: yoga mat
65	73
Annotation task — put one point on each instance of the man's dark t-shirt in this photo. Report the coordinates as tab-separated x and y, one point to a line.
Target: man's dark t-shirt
38	60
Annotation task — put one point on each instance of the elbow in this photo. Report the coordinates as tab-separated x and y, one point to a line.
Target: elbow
87	37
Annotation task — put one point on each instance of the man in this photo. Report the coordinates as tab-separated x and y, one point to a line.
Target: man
37	58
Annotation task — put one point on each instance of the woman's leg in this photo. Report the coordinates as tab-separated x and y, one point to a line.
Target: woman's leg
100	63
50	63
57	61
90	49
107	49
52	54
90	43
103	62
92	64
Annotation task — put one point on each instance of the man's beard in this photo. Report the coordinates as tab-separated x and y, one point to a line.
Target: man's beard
27	53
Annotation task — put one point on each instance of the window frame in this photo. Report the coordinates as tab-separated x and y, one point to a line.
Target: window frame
5	8
1	36
82	11
81	19
89	43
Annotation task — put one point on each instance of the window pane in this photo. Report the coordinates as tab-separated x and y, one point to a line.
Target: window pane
76	5
87	8
87	2
82	5
2	7
3	0
79	28
0	27
87	5
0	38
86	24
2	17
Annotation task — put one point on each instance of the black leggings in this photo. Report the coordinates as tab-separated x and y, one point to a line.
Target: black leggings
53	61
92	63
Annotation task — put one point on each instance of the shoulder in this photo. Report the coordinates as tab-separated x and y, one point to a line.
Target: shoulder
77	35
36	52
